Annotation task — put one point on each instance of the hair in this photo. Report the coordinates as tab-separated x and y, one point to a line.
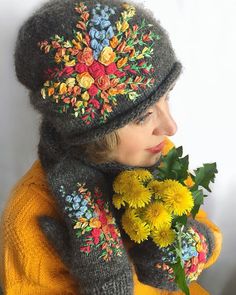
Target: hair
100	150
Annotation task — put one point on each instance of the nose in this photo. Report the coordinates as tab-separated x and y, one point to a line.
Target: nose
165	125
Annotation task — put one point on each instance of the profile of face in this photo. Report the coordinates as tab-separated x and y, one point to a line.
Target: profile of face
147	131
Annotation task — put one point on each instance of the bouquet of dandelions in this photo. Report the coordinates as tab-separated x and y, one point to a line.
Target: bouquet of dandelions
156	205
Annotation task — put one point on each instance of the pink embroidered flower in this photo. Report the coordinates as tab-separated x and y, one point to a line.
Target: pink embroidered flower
201	257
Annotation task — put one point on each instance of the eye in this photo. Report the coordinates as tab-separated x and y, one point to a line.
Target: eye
142	119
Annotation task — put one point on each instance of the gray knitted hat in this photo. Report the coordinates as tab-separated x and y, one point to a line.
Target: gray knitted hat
92	67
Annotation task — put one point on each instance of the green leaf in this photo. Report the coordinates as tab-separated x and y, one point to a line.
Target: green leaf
205	175
198	197
180	278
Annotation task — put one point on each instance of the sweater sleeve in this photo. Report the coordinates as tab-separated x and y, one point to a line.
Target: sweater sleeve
97	257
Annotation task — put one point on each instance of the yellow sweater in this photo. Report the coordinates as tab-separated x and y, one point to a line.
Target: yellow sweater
29	265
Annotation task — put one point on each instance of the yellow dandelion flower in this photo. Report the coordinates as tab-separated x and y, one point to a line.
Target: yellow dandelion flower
138	196
143	175
122	182
118	201
156	215
163	236
157	187
177	198
137	230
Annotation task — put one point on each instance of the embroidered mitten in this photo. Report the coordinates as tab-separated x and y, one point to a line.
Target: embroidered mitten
92	245
151	262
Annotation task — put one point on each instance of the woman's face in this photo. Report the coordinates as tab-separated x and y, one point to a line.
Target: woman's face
146	132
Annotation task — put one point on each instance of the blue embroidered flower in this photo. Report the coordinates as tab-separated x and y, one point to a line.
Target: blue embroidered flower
83	209
79	214
105	43
100	35
109	33
88	215
84	202
77	199
69	198
105	23
96	19
76	206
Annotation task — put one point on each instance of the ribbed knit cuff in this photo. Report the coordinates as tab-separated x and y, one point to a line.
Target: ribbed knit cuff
120	285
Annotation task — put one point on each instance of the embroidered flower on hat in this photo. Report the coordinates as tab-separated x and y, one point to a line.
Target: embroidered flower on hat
93	222
102	62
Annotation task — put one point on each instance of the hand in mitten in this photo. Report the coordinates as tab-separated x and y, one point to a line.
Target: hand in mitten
151	261
89	241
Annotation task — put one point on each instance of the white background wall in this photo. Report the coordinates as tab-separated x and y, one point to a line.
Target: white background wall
203	104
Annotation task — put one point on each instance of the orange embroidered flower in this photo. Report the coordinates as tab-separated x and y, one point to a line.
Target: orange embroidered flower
86	56
114	42
121	62
103	82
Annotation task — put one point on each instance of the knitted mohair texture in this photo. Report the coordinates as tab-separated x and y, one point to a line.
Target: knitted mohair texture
93	67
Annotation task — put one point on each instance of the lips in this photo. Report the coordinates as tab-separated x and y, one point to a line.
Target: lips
158	148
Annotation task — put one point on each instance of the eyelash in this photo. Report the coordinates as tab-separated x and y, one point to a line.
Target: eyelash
142	119
138	122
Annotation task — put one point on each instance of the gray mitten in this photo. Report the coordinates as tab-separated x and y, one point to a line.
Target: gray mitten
89	241
151	262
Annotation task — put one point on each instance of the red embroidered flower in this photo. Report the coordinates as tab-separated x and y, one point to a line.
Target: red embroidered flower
66	71
111	69
96	70
93	90
103	218
81	68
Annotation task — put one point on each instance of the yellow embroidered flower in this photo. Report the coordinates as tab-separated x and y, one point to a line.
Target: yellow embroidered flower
70	63
118	201
85	80
156	215
177	198
107	56
85	95
137	230
70	82
63	88
130	9
95	223
163	236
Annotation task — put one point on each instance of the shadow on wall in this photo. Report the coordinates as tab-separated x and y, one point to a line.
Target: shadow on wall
230	285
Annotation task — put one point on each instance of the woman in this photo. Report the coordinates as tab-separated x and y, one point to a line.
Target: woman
100	74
